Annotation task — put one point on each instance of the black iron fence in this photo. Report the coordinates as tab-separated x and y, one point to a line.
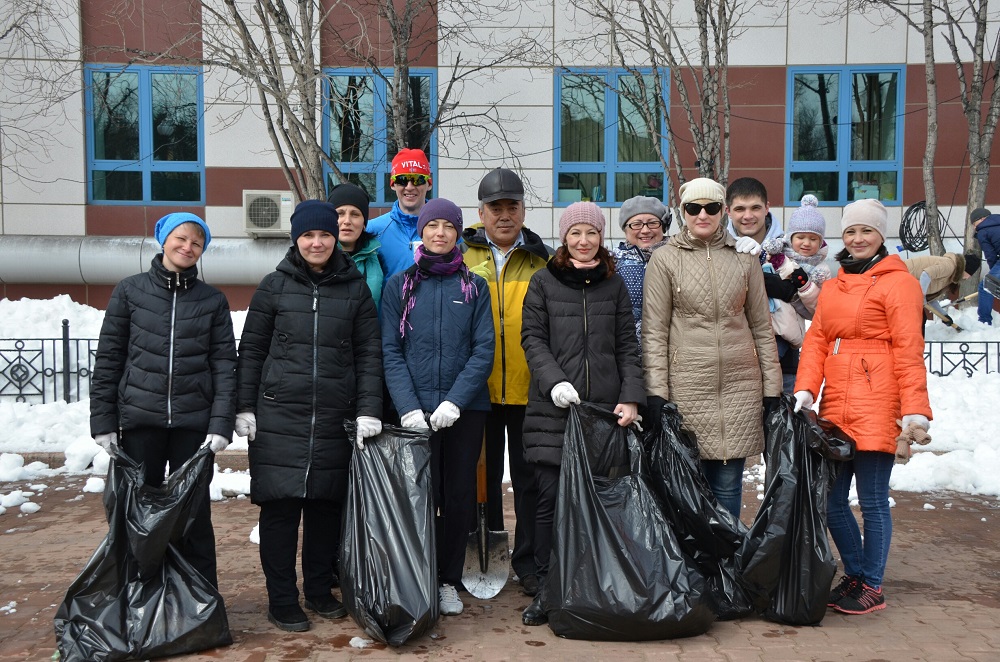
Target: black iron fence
51	369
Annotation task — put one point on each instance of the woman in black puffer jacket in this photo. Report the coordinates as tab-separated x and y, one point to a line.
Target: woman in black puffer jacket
164	378
578	334
310	358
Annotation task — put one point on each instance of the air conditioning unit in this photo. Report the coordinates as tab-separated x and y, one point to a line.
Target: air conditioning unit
267	213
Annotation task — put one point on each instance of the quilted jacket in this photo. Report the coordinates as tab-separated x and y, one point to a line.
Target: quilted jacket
707	341
865	341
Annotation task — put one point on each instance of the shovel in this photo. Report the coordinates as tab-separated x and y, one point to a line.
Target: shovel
487	554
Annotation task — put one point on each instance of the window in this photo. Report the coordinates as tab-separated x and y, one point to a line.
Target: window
145	135
605	151
837	159
356	126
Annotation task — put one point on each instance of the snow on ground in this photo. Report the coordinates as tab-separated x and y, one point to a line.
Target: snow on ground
964	455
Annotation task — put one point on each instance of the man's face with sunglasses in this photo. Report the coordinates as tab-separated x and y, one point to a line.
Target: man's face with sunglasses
748	216
411	191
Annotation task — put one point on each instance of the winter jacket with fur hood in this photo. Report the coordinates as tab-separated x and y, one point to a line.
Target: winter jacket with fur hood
944	270
166	356
578	328
310	358
865	348
707	341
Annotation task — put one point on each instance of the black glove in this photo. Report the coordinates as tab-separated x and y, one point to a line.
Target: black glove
779	288
771	404
799	277
654	409
948	320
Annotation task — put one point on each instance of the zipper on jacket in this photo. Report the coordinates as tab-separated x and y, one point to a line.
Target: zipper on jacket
586	352
170	361
718	346
836	346
503	332
315	376
868	374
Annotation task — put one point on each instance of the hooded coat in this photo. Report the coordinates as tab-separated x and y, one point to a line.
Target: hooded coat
707	341
166	356
578	328
988	236
944	270
310	358
397	234
866	350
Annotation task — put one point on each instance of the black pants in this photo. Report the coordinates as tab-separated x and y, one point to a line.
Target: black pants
156	448
454	454
506	423
279	541
547	483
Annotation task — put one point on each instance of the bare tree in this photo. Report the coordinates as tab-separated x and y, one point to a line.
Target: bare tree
963	24
39	55
654	42
273	48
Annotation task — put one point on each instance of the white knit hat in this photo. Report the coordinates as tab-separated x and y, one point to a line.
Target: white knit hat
869	212
807	218
702	188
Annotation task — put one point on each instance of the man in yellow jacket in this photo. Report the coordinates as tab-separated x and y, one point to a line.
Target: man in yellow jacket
506	254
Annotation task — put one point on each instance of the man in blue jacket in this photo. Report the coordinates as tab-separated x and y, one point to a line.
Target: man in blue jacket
410	178
988	235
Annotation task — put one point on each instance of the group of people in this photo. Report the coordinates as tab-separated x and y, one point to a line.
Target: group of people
484	336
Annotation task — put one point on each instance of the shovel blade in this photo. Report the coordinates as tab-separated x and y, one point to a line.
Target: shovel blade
486	583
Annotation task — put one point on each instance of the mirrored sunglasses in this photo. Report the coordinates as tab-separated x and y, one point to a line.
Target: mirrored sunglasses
694	208
403	180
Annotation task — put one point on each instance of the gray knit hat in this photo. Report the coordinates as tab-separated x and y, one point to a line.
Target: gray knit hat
807	218
642	204
581	212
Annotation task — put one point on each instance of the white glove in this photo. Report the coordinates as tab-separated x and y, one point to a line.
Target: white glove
563	395
445	415
107	441
803	400
246	425
217	442
368	426
414	419
747	245
916	419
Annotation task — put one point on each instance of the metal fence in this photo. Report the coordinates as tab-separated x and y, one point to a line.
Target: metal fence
51	369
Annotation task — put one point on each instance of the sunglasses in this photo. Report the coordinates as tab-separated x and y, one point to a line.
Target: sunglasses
638	225
403	180
694	208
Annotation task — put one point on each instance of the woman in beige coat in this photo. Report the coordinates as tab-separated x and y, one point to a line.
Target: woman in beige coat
707	343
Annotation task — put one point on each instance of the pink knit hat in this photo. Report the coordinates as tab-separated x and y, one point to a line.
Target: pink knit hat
581	212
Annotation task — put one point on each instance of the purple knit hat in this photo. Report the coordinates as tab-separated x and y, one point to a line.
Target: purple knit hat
581	212
439	209
807	218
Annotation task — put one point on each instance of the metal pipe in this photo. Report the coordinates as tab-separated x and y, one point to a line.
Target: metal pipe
96	260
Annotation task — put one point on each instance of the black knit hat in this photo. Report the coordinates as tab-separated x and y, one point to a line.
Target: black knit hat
978	213
314	215
349	194
972	264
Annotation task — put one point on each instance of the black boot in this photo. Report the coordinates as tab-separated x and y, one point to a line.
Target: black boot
534	614
289	618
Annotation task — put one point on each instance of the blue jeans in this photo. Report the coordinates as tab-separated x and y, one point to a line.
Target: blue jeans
726	480
863	558
986	299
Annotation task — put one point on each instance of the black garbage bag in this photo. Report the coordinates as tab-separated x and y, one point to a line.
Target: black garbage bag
388	563
786	561
137	598
617	572
708	533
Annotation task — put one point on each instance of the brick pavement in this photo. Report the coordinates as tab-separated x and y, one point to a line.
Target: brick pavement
942	587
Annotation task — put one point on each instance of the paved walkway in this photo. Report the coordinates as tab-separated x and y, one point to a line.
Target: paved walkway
942	587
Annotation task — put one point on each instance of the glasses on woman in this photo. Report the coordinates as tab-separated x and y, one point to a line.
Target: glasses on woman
403	180
694	208
638	225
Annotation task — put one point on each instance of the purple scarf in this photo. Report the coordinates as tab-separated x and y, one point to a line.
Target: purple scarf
432	264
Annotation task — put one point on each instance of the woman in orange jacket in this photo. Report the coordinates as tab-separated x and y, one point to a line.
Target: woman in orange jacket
865	348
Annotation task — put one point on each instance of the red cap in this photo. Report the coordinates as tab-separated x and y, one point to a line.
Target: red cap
411	161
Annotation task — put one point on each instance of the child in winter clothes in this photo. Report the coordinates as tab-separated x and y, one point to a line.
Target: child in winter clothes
803	246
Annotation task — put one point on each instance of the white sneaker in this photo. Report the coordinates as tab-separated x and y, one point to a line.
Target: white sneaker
448	601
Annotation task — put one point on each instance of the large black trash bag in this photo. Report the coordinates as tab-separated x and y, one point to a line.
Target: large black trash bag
617	572
388	566
137	598
786	561
706	531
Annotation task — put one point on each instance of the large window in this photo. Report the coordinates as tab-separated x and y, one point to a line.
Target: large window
357	123
605	150
845	134
145	139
